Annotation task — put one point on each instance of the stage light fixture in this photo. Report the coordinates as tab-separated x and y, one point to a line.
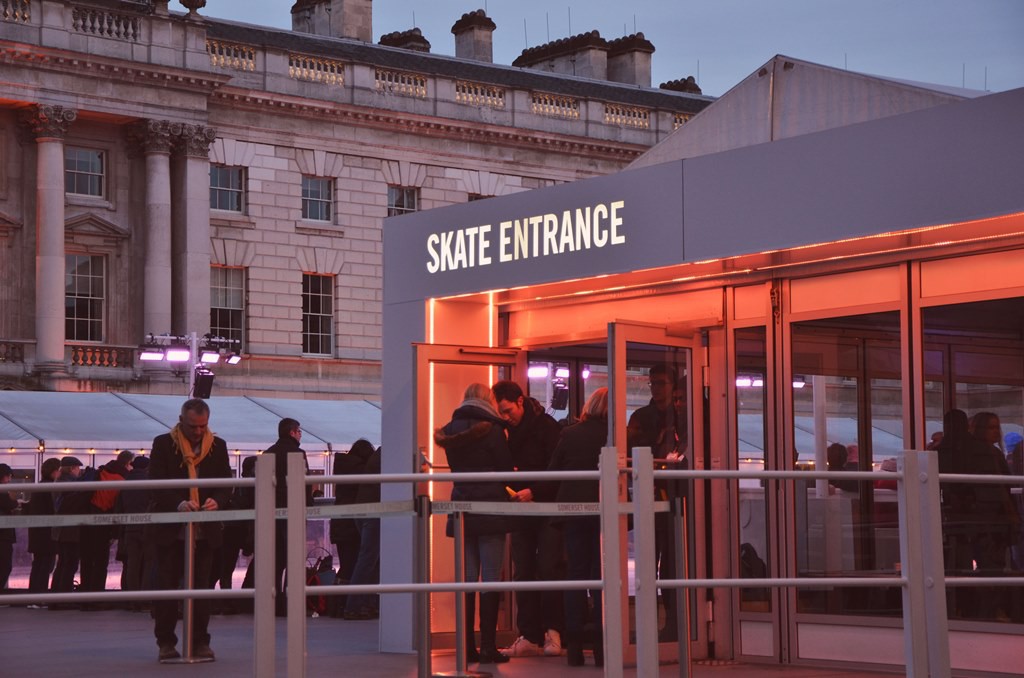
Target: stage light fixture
151	353
209	356
177	354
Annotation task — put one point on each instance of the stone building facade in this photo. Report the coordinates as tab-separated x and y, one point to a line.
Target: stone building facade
166	173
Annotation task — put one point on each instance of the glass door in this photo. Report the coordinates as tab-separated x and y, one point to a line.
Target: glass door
654	402
442	373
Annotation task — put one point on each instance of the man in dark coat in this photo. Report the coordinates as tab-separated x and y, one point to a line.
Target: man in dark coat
189	450
289	436
68	502
344	533
663	426
537	546
40	539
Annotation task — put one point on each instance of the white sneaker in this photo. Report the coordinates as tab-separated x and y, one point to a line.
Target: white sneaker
523	648
552	643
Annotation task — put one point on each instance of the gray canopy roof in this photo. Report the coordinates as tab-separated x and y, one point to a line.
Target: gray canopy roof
118	420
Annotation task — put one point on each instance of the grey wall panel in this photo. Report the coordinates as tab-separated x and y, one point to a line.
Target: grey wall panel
942	165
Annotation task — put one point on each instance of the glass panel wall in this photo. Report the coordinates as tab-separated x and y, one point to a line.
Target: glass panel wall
847	416
751	450
983	379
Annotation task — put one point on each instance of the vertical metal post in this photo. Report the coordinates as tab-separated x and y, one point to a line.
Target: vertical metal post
460	600
459	532
611	547
645	570
193	360
422	574
925	626
682	548
296	565
188	604
263	600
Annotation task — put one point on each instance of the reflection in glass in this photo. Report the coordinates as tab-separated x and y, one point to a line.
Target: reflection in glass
751	443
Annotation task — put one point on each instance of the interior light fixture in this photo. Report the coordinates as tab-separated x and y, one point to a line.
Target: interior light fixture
234	359
537	371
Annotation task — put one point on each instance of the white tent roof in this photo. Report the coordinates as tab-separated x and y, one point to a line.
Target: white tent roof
110	421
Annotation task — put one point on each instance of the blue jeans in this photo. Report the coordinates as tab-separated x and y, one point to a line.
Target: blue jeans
484	557
583	556
367	569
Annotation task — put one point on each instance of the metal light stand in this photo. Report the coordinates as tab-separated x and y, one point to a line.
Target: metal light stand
188	604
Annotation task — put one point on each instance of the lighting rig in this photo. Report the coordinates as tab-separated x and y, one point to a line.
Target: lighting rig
198	352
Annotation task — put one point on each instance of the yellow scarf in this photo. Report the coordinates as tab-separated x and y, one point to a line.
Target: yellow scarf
189	458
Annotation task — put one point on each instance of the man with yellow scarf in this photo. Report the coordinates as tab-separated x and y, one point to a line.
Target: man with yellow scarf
189	450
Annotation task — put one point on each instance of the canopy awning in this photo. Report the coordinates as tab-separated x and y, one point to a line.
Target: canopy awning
112	421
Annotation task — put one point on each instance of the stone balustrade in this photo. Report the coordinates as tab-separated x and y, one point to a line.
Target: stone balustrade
274	61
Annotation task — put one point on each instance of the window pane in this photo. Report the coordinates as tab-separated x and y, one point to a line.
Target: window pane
83	171
227	304
317	317
227	188
84	292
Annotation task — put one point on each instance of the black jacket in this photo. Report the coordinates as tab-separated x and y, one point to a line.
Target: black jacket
532	443
474	442
579	449
40	539
281	449
166	463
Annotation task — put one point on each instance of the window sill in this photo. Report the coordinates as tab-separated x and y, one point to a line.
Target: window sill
327	228
231	219
94	201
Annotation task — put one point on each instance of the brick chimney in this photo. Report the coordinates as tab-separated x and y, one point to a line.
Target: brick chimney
334	18
473	36
585	55
411	39
629	60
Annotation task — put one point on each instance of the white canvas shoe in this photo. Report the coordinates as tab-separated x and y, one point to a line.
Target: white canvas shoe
552	643
523	648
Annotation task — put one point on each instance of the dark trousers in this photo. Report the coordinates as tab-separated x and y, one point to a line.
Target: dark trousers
6	562
367	569
583	560
665	554
538	554
67	566
39	576
95	557
170	568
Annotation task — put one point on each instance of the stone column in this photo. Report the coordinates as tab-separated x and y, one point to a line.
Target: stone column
48	125
155	140
190	220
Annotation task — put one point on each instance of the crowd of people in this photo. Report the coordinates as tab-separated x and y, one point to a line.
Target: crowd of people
500	429
68	558
494	429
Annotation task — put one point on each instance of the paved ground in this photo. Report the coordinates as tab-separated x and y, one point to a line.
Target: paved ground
120	644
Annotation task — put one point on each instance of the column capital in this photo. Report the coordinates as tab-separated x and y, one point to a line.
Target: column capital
151	136
44	121
194	140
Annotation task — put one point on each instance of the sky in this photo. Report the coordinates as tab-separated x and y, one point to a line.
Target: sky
978	44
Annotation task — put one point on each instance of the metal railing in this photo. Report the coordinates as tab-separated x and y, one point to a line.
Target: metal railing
921	577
